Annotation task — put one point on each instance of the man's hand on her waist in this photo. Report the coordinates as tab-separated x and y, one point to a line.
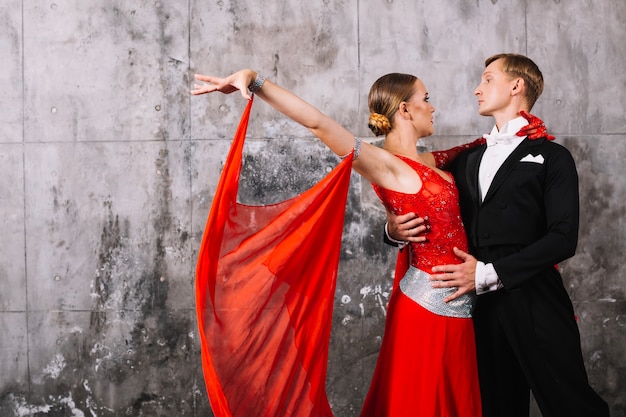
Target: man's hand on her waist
460	276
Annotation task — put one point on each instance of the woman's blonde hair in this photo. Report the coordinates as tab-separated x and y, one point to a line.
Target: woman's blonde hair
384	100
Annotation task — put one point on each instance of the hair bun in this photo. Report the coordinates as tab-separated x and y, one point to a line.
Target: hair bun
379	124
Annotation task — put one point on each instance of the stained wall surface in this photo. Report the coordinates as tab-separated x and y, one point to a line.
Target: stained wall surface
108	168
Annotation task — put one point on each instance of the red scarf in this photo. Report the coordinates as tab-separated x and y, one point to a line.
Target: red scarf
265	289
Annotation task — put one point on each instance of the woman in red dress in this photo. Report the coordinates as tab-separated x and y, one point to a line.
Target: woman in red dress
427	362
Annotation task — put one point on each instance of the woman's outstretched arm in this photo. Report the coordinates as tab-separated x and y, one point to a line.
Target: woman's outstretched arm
375	164
335	136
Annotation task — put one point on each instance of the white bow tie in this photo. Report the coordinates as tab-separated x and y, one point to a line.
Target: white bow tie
500	138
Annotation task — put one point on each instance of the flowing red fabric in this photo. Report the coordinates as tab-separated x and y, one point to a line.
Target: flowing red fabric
265	284
402	265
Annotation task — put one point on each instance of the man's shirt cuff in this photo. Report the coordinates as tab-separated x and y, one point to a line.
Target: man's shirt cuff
401	244
486	278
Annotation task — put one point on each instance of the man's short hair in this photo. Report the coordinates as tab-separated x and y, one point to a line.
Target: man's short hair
516	65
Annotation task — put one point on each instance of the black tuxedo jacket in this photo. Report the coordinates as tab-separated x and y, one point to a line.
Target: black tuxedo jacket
528	221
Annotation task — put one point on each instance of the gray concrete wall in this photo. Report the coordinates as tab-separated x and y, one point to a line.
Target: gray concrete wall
108	168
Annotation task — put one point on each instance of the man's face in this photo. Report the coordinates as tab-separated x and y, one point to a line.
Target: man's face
494	90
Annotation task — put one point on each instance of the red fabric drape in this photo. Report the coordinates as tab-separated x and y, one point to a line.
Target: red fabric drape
403	261
265	284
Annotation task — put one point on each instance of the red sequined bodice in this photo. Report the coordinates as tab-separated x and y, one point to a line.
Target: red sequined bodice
438	200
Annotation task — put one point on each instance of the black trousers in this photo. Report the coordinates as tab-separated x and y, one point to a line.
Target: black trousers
522	346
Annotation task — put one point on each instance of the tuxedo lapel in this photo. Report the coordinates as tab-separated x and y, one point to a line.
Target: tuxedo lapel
471	174
503	172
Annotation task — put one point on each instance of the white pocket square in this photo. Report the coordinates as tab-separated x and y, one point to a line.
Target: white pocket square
529	158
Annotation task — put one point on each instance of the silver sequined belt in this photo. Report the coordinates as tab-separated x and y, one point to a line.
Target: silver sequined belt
417	286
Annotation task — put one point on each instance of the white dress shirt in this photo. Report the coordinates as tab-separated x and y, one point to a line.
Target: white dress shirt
500	144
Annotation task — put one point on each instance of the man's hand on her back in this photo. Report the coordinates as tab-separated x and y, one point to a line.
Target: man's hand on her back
407	227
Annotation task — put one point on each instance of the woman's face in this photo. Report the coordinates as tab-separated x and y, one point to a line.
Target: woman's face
421	110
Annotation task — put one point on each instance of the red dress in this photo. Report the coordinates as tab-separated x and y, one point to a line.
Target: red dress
427	362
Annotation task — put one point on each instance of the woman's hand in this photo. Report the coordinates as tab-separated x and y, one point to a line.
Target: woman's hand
237	81
535	129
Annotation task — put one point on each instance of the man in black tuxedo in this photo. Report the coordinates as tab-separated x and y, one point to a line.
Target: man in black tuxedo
519	202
